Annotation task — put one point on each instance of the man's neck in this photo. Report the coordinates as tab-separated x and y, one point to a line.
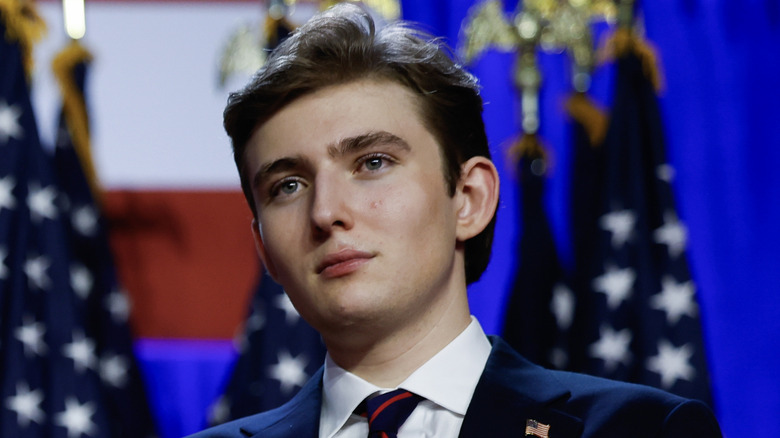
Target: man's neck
388	359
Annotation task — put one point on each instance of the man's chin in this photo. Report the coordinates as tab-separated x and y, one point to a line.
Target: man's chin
351	315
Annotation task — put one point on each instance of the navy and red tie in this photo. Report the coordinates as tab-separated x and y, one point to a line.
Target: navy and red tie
387	412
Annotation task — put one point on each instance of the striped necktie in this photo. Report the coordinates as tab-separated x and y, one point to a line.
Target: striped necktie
387	412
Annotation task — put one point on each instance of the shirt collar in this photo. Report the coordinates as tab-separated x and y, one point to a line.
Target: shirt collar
447	379
342	392
450	377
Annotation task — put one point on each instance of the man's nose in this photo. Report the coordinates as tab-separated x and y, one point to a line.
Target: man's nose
330	207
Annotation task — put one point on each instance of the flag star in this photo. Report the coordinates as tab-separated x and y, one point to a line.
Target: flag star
30	334
85	220
113	370
35	268
81	280
254	323
621	224
77	418
289	371
612	347
241	342
63	138
665	172
118	304
3	267
26	404
672	363
290	314
220	410
82	351
673	234
676	299
616	284
559	358
9	122
562	305
64	201
41	202
7	199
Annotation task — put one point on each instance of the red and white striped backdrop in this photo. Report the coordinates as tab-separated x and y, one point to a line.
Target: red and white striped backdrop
181	228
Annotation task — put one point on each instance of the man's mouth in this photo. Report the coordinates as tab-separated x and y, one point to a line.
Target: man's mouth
342	263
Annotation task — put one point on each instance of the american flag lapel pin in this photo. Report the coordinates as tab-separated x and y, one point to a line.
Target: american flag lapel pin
535	428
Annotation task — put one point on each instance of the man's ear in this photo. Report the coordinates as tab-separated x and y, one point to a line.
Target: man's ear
477	194
258	236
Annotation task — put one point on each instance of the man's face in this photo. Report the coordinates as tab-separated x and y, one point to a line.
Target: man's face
354	218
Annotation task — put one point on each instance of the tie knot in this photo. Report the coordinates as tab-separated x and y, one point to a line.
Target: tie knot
387	412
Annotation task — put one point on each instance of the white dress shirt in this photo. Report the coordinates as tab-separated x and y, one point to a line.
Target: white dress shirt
446	381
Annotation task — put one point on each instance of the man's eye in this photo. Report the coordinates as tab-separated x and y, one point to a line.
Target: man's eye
289	187
286	187
374	163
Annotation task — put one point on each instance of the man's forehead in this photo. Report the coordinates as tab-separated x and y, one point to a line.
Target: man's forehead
363	89
357	108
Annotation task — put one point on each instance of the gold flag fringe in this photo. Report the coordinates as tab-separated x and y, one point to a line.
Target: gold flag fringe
271	29
529	146
590	116
620	43
624	41
75	109
22	24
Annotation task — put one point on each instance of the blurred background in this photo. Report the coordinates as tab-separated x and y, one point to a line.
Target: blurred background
155	89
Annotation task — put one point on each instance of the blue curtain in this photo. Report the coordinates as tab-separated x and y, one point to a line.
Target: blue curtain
722	125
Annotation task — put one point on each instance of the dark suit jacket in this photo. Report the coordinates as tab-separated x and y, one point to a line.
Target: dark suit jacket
510	391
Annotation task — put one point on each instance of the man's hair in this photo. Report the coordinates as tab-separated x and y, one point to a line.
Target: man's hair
342	45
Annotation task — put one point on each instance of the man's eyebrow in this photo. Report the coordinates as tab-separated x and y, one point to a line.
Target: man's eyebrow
342	147
276	166
363	141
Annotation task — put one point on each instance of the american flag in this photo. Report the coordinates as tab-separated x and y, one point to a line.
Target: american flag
279	351
530	325
66	359
630	312
535	428
638	317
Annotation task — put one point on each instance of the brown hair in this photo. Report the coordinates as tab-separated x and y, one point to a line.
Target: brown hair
342	45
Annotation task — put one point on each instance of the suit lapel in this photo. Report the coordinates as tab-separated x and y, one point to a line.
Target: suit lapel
511	391
299	418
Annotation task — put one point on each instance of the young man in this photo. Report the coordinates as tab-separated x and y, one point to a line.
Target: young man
363	157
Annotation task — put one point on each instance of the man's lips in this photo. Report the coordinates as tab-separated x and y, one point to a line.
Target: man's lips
342	262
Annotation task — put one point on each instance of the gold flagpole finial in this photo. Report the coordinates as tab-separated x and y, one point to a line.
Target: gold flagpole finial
388	9
538	25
